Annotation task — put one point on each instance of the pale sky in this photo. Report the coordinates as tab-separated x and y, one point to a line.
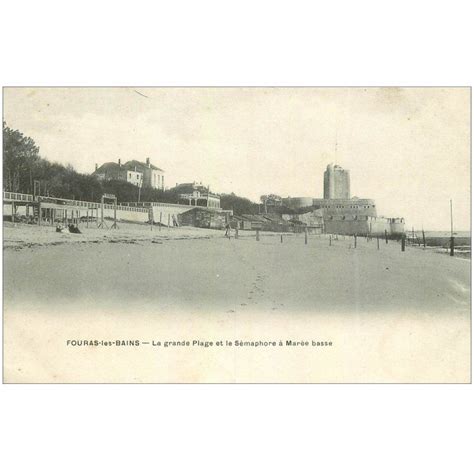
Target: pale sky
409	149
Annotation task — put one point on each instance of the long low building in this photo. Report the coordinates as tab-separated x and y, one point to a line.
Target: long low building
354	206
42	209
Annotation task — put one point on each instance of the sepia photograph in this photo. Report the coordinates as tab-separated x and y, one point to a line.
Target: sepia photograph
236	237
237	234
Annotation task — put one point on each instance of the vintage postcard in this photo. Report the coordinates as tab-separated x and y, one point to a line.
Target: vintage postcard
236	235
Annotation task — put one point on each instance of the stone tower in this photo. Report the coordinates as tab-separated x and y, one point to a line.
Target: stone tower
337	183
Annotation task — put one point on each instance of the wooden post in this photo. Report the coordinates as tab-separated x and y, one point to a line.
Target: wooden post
237	232
451	209
168	221
424	239
378	243
403	243
386	236
257	235
330	240
39	212
355	241
13	211
451	253
281	238
306	236
87	218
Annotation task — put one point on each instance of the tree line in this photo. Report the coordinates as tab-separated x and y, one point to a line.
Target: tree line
23	166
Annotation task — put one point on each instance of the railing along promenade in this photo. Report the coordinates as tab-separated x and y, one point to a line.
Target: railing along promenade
125	206
29	198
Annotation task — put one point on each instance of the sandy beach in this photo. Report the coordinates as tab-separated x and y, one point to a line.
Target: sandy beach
144	283
19	236
163	269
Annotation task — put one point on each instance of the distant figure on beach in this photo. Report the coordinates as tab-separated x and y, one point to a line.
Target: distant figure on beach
73	229
227	230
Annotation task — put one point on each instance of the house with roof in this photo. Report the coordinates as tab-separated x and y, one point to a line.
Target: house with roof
195	194
138	173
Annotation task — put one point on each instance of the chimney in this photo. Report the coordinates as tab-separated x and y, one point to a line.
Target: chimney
148	162
119	162
96	166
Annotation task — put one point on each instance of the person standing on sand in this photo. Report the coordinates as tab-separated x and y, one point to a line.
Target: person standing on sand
227	230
